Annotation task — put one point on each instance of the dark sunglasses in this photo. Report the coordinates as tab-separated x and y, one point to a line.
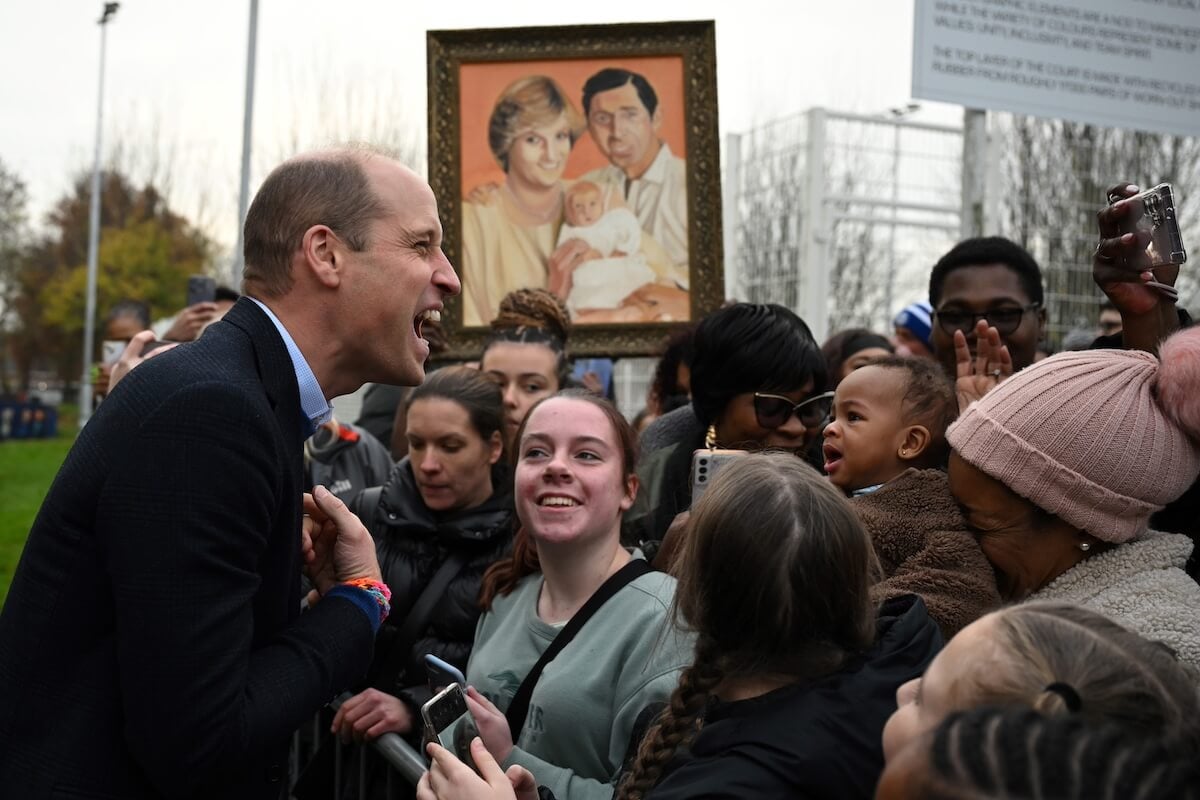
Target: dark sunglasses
773	410
1004	320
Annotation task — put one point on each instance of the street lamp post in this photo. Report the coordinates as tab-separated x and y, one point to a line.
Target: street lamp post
247	126
89	323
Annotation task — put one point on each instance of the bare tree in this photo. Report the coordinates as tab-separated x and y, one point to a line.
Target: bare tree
1054	177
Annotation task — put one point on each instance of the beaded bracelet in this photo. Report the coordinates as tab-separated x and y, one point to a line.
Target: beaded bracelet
378	590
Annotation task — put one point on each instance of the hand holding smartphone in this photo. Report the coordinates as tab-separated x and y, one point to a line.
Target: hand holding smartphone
1152	219
448	721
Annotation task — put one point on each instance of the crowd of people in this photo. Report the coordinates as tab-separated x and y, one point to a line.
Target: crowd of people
932	564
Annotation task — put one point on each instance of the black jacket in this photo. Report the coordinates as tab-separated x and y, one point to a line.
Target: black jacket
412	542
815	740
151	644
345	461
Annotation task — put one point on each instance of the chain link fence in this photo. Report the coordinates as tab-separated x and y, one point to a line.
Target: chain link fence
841	216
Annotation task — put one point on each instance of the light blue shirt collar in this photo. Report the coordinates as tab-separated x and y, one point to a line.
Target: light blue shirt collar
866	490
312	400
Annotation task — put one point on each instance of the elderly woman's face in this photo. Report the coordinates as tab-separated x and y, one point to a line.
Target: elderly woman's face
1027	547
538	154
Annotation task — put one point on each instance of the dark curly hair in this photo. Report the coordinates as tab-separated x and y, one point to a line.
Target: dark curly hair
986	250
534	316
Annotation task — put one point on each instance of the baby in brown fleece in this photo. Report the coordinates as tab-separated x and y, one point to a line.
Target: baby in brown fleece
884	446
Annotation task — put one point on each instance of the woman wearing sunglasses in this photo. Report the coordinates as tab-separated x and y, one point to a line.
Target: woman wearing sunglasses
757	383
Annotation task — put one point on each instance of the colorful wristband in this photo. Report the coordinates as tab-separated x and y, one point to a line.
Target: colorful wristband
376	595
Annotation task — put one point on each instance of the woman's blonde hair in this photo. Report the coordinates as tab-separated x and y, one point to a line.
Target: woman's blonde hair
1058	658
774	577
525	103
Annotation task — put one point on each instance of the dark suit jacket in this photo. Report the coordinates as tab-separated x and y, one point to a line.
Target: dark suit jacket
152	644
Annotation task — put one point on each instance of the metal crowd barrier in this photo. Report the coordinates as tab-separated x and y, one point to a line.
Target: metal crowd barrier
402	762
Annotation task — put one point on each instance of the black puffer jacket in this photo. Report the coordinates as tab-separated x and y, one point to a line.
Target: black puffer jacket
412	542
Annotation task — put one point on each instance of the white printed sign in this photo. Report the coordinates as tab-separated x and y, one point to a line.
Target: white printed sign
1121	63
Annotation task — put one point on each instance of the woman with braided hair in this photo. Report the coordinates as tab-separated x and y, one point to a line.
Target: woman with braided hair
1005	752
526	353
793	669
1059	660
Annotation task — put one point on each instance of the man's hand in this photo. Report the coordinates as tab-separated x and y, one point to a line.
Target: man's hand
131	356
660	303
191	322
493	726
335	545
991	366
484	194
563	262
369	715
450	779
1118	268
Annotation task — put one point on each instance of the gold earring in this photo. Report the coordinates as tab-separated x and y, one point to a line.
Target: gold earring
710	437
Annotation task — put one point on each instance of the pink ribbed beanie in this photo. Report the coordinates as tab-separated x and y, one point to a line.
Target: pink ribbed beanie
1100	438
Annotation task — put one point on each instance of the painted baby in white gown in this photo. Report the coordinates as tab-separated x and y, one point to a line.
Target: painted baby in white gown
615	267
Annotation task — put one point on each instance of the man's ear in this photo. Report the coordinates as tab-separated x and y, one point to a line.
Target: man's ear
319	250
915	442
1041	325
656	118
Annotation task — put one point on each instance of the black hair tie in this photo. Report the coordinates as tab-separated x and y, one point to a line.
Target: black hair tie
1067	692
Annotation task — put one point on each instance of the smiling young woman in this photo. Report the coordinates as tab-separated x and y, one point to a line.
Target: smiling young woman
574	481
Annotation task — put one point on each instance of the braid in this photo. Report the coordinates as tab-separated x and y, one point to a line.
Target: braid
991	752
534	316
679	722
533	308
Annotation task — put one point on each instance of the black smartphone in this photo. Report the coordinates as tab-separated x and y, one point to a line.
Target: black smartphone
201	289
448	722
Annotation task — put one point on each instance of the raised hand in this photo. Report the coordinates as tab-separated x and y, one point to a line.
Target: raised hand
991	365
334	544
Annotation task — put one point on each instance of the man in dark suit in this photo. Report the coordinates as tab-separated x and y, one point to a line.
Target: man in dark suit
152	643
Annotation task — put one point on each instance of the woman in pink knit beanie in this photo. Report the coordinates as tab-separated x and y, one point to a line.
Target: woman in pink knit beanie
1059	469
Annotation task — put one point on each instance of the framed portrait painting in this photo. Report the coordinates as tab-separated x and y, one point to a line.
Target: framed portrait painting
583	160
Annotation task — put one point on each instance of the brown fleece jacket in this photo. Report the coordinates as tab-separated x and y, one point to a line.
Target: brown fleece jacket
925	549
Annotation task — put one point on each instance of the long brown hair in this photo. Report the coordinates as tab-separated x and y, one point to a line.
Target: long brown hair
798	605
503	576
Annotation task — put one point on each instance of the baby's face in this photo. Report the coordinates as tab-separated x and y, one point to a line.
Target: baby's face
584	208
867	428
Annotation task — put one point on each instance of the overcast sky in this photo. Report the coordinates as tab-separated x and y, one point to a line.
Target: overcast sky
176	75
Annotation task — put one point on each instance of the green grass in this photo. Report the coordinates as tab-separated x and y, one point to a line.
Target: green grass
27	468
